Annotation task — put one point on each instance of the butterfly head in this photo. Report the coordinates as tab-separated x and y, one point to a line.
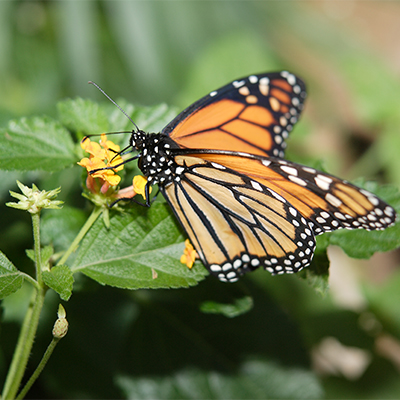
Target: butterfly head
137	140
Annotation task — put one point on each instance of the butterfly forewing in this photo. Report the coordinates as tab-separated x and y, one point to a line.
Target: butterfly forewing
236	224
253	115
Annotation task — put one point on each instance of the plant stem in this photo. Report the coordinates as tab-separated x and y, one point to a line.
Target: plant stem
39	368
31	280
24	345
36	245
30	324
89	222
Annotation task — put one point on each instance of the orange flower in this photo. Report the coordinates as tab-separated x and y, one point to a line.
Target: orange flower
104	158
189	254
93	148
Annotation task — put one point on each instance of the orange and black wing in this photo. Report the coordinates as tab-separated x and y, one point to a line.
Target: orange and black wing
242	211
236	224
253	115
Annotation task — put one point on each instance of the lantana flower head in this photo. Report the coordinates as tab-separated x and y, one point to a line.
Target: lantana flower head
105	160
189	254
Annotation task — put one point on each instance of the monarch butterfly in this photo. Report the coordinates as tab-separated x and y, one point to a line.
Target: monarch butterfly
220	166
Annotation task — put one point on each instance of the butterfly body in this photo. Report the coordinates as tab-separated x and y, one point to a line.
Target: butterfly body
155	159
220	166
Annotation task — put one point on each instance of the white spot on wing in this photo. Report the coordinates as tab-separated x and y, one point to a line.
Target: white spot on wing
256	186
297	180
219	166
277	196
323	182
238	84
289	170
266	163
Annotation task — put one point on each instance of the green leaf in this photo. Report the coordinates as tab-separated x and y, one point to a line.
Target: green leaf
88	117
31	254
11	279
239	307
362	243
45	253
141	249
154	118
255	379
60	228
35	144
317	274
83	116
61	280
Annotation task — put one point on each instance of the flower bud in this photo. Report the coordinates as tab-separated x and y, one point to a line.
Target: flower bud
60	328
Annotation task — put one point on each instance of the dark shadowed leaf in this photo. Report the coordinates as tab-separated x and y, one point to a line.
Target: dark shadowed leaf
10	278
238	307
255	379
60	279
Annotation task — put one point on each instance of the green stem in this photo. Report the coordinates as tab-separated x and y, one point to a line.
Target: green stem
24	345
39	368
30	324
31	280
36	244
90	221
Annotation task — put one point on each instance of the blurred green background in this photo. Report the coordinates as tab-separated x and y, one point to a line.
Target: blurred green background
144	344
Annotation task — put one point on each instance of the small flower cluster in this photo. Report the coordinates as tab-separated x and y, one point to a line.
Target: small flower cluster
105	160
189	254
103	163
33	200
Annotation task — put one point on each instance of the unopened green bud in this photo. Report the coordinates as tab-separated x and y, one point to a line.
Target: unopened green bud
60	328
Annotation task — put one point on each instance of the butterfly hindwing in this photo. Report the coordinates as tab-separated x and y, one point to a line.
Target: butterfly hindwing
254	114
326	201
236	224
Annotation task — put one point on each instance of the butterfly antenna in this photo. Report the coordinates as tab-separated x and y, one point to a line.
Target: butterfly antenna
115	104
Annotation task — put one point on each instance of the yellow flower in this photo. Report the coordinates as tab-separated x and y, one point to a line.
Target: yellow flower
92	163
103	155
108	144
93	148
109	176
189	254
115	161
139	185
112	151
